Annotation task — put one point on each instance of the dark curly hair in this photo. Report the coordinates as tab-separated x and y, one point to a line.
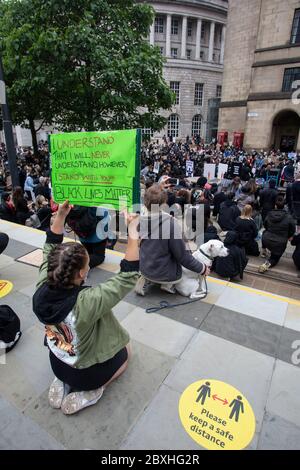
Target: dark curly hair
64	261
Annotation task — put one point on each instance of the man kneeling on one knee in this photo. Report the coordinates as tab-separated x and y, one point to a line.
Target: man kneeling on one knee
163	251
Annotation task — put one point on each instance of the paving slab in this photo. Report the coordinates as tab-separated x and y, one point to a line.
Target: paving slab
160	426
247	331
292	319
29	290
278	434
122	309
16	249
283	399
106	425
211	357
26	373
191	314
18	432
5	261
158	332
21	275
34	258
97	276
36	238
22	305
254	305
289	345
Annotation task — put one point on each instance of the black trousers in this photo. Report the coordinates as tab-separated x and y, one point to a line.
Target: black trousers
96	252
3	242
274	259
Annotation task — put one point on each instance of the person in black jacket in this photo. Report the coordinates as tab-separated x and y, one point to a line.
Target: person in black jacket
211	233
235	263
267	199
44	212
228	214
21	206
296	255
218	199
247	231
280	227
293	198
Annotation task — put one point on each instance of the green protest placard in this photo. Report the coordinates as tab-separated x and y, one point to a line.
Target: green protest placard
96	168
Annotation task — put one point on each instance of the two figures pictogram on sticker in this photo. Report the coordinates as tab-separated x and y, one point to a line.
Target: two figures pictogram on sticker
204	393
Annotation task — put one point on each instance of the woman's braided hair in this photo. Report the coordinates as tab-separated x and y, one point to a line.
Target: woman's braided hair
64	261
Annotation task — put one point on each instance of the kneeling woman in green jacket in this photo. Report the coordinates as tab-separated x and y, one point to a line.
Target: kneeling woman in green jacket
88	348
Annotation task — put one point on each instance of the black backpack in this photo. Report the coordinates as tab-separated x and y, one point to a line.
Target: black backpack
9	327
82	222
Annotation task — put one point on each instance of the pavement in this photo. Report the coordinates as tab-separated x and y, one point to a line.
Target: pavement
246	337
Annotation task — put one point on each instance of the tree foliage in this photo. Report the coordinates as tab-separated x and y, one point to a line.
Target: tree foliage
82	64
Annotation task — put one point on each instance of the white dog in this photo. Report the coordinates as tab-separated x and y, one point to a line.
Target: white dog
192	284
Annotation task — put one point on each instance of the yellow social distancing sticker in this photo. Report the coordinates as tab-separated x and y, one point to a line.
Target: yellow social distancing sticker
216	415
5	287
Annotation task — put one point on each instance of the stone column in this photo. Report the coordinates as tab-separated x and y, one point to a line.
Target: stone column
223	44
168	36
198	39
152	34
211	41
183	37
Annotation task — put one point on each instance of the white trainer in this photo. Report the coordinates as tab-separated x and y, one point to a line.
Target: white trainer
76	401
57	391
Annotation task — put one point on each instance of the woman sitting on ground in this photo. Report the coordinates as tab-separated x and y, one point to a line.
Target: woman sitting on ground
247	231
88	347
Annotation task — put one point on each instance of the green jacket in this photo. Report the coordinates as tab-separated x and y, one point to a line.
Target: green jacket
81	329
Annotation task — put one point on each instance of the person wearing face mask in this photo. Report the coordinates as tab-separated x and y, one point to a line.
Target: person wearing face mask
88	347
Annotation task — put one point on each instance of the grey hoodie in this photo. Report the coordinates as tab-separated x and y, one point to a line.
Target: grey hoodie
163	251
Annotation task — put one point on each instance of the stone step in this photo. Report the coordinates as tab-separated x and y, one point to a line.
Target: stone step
284	271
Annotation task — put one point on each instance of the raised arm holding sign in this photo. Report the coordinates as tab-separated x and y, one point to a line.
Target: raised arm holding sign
96	168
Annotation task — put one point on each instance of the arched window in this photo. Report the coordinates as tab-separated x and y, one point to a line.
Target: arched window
173	125
196	125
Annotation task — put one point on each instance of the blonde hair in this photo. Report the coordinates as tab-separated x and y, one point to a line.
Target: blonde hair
41	201
154	196
246	212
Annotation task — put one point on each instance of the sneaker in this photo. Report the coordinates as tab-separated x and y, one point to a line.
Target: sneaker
76	401
57	391
264	267
142	286
168	288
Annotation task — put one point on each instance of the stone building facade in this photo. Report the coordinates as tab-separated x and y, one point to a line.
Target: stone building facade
262	66
191	37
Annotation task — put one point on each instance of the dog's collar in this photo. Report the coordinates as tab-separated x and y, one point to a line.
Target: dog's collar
209	257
